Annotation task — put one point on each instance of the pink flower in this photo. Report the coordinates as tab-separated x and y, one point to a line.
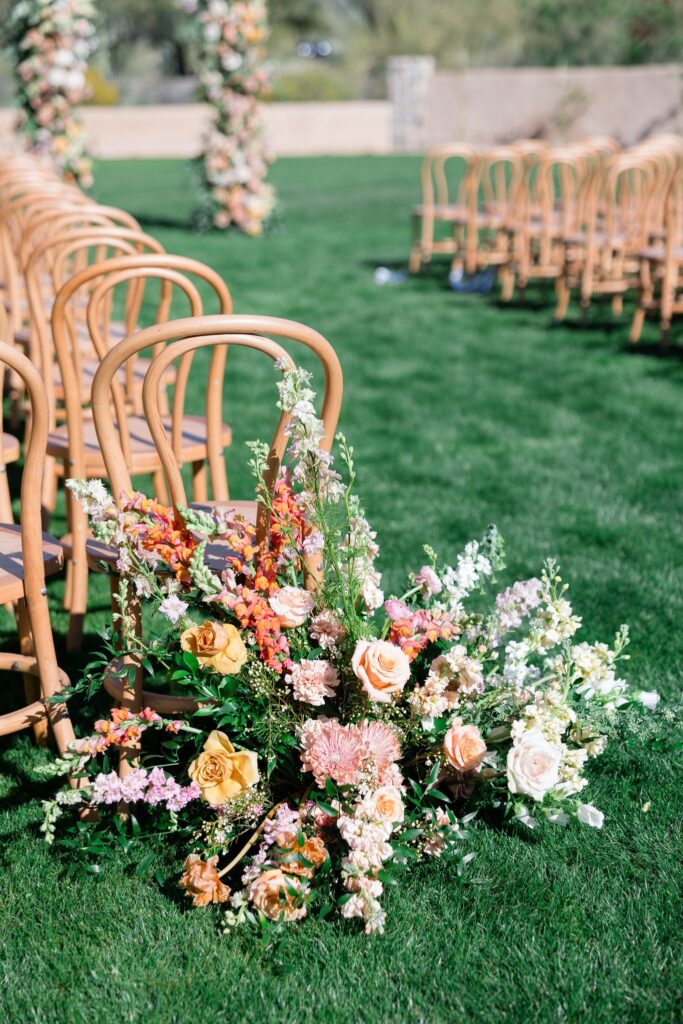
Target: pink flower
429	581
326	629
313	681
334	751
382	668
397	610
382	742
292	605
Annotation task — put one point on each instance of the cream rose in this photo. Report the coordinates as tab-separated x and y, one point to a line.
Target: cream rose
216	645
292	605
383	668
464	746
533	765
387	804
221	772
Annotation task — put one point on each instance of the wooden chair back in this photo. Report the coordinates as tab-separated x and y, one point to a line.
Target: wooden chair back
51	265
179	278
181	338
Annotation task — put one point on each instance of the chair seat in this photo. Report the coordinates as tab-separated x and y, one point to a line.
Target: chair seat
144	456
455	213
12	564
11	449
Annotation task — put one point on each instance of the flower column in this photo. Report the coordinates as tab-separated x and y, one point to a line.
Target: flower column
50	42
233	79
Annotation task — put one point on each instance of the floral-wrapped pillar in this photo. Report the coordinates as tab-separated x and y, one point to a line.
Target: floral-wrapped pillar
233	78
50	42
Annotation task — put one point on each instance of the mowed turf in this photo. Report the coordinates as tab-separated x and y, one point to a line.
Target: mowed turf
462	413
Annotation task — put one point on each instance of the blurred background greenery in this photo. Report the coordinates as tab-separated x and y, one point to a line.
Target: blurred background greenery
337	49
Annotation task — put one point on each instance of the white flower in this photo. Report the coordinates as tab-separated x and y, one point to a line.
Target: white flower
590	815
173	608
649	699
522	814
533	765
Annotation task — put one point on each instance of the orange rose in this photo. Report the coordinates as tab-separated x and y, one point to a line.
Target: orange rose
217	646
222	772
464	746
383	668
291	855
277	895
200	881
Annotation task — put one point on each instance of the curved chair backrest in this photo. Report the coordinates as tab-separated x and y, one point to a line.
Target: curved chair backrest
32	543
178	276
628	187
562	182
499	176
61	258
180	338
43	225
447	175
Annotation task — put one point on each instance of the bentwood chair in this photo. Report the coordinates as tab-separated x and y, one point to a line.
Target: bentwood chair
74	444
448	198
661	269
182	338
27	556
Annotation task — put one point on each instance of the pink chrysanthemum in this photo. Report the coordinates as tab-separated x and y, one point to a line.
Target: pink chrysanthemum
334	751
382	741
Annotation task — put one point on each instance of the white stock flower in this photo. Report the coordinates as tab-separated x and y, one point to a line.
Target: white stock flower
589	815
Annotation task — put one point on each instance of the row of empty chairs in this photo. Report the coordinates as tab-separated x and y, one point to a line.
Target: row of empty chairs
86	322
591	217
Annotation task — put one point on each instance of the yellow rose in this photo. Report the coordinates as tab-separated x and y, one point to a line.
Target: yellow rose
222	772
216	645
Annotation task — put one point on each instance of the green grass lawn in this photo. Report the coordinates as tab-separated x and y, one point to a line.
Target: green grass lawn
462	413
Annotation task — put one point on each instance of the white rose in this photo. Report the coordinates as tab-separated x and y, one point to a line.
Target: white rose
533	765
590	815
292	605
649	699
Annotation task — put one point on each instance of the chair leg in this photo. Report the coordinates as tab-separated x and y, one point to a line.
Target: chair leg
637	325
415	261
507	280
199	483
563	295
131	695
77	573
41	728
617	305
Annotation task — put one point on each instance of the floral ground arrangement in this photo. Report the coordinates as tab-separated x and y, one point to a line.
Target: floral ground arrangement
336	738
49	42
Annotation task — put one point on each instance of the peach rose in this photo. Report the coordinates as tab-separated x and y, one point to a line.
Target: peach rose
216	645
292	856
464	746
200	881
292	605
276	895
387	804
383	668
222	772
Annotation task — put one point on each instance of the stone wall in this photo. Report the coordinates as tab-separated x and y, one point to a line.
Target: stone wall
493	106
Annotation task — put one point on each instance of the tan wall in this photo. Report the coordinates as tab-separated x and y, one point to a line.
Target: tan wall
295	129
488	106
